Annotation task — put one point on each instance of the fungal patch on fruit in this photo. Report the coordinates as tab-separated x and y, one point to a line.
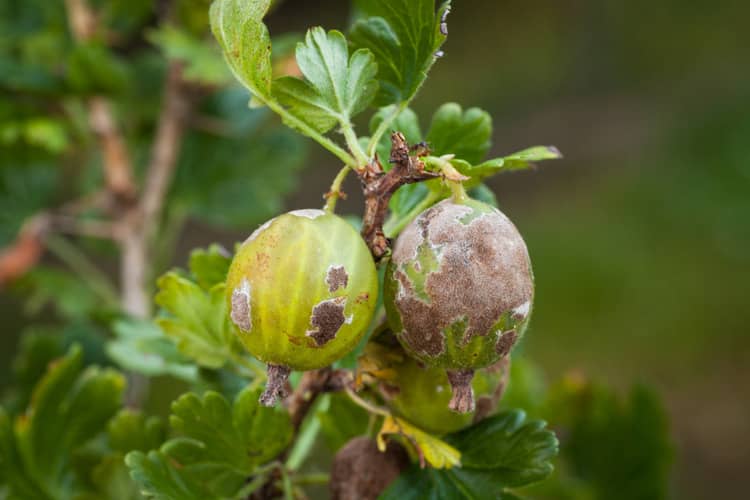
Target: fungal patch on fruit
240	313
519	313
505	342
326	319
310	213
461	276
336	278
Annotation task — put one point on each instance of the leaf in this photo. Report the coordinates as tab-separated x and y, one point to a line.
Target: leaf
238	27
516	161
200	59
112	481
504	451
336	87
516	451
219	448
37	348
429	448
466	134
622	449
159	480
196	320
239	180
404	36
42	286
69	407
141	347
209	267
132	430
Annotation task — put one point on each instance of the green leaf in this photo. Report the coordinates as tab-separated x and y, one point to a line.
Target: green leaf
159	480
37	348
69	407
93	68
219	448
200	59
404	36
516	451
238	27
465	134
238	181
132	430
504	451
140	346
516	161
111	480
336	87
196	320
42	287
620	448
209	267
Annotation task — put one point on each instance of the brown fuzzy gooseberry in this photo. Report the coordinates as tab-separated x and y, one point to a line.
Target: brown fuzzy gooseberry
458	291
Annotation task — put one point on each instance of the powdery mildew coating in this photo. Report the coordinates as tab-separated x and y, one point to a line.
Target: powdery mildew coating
477	282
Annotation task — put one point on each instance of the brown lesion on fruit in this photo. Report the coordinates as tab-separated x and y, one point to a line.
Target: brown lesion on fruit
362	298
336	278
326	319
505	342
463	393
483	273
240	313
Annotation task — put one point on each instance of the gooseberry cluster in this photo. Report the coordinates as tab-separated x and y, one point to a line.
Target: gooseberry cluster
457	290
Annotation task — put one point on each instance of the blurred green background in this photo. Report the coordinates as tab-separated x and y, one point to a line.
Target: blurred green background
640	236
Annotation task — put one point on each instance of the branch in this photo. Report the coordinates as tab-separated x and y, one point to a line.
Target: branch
140	224
118	170
378	187
23	254
312	384
175	110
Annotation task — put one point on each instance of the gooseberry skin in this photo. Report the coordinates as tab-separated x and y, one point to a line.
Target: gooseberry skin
458	290
301	290
423	393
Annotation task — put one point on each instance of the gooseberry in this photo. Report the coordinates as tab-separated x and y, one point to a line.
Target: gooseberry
458	290
301	291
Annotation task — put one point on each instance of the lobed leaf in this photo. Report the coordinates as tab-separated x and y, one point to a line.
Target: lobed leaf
404	36
336	86
516	451
141	347
209	267
69	407
196	320
465	134
504	451
219	447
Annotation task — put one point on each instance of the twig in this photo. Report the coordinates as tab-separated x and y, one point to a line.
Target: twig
378	187
312	384
140	224
118	170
